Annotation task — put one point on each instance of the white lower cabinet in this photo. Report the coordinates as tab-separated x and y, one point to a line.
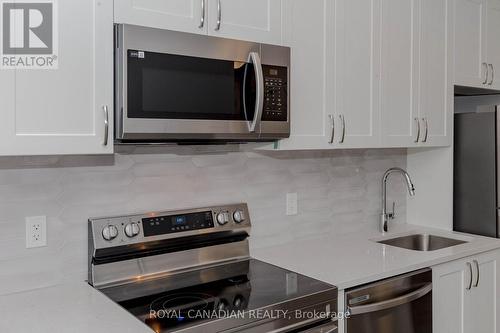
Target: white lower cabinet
466	293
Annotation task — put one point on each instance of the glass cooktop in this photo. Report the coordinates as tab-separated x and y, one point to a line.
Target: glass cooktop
236	292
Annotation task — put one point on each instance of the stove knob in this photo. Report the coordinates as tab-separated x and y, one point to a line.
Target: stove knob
109	232
238	301
223	218
222	305
131	230
239	216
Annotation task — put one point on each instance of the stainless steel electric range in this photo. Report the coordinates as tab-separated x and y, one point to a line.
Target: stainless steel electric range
190	271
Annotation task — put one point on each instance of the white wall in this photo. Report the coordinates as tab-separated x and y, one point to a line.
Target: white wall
339	192
432	172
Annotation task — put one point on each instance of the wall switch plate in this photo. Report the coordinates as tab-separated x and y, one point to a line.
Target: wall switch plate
291	204
36	231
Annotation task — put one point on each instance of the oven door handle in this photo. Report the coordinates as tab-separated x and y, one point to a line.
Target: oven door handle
414	295
254	58
327	328
306	323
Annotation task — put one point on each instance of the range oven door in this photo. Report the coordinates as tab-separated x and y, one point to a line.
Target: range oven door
401	304
177	86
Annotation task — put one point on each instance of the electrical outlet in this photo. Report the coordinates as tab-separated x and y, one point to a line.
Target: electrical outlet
36	231
291	204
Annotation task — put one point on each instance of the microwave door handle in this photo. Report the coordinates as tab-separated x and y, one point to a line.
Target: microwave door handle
254	58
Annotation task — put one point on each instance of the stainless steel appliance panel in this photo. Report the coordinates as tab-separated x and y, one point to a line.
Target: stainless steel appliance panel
475	173
399	304
158	41
189	270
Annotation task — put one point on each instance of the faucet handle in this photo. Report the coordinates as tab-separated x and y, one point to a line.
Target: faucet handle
392	215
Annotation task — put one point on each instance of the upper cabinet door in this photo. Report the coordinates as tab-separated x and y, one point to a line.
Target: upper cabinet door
305	32
494	44
399	73
255	20
436	67
353	82
470	43
65	110
180	15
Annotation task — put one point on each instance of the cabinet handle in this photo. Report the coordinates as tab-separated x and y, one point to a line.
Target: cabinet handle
202	19
332	122
487	70
492	74
106	125
470	281
426	123
477	269
342	119
219	15
418	130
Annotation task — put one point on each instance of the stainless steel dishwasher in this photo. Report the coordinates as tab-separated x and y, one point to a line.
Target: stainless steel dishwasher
396	305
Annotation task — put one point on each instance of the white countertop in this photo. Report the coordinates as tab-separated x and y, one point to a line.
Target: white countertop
354	259
71	308
344	261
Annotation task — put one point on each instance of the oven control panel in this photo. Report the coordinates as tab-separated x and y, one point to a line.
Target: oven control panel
161	225
134	229
275	93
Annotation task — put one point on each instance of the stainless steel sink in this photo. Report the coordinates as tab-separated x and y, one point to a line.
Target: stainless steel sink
422	242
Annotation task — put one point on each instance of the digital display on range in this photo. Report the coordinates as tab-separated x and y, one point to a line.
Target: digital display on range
161	225
180	220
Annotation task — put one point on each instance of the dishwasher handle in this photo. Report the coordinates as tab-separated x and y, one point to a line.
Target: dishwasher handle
410	297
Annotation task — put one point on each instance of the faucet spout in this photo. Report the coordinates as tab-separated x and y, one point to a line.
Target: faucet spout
385	217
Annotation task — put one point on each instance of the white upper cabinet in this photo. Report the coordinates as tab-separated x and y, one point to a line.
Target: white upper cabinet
493	52
435	84
353	81
64	110
399	72
370	74
181	15
477	50
305	29
255	20
416	85
333	77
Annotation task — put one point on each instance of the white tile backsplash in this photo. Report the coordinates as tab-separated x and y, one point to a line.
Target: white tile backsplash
338	191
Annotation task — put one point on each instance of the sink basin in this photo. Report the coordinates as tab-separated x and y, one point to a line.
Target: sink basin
422	242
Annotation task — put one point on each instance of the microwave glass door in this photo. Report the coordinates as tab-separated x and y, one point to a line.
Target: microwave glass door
167	86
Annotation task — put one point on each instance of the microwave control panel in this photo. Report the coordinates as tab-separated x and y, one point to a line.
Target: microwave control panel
276	93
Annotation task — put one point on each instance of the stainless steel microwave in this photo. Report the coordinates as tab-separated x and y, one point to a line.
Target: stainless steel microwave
180	87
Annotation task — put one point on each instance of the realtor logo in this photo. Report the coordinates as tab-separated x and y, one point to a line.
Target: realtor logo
29	34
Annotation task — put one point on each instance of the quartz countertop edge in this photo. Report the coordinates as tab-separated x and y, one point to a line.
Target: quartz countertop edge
356	258
342	260
73	307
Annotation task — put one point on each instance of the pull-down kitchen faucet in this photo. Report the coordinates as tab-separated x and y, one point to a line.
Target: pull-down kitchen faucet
385	217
